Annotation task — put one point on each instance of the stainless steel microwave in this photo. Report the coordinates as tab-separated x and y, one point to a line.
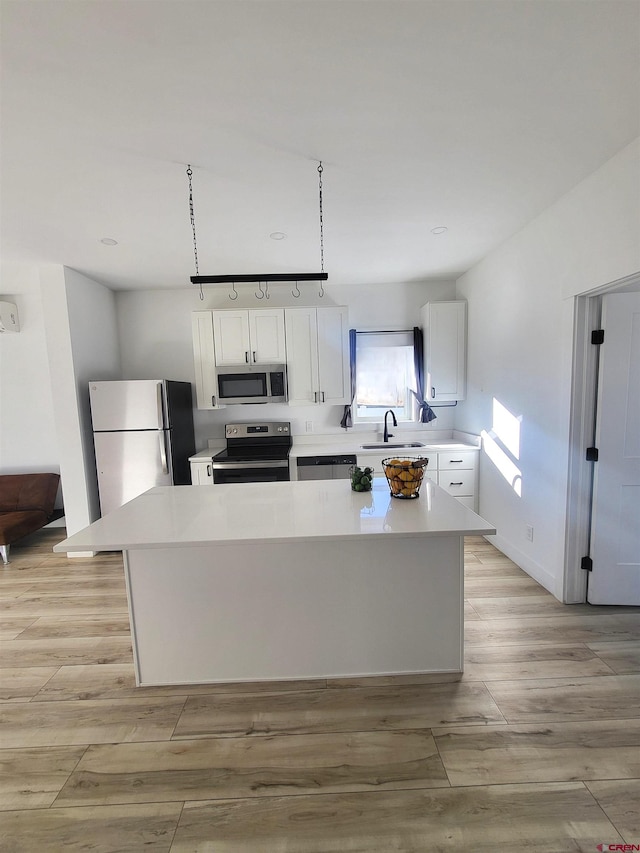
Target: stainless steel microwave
252	383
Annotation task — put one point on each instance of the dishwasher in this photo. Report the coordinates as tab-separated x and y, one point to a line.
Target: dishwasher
326	467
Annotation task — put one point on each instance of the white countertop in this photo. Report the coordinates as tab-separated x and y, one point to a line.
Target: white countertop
316	510
351	445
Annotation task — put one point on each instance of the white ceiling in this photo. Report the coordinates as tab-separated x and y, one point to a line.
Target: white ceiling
473	115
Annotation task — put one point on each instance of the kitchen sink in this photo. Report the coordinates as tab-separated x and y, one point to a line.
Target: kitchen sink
385	445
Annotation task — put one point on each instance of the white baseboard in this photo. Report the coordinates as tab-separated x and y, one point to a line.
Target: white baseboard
533	569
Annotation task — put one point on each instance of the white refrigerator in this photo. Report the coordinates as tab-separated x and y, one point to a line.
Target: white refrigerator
143	437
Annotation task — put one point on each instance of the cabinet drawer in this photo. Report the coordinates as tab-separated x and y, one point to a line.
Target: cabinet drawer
454	459
468	501
457	482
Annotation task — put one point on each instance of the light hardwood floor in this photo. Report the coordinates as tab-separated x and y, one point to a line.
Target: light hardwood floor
537	748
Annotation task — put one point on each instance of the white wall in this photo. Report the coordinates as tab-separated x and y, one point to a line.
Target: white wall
28	439
82	343
520	340
155	334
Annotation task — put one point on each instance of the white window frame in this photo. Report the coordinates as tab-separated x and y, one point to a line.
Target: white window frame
386	337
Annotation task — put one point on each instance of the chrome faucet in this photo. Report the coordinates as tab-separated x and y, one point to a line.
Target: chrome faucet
387	435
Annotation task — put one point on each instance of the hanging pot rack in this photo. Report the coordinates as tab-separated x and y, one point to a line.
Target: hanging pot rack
257	278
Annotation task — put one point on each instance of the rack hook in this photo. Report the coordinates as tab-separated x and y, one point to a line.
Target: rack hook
261	294
321	291
296	293
266	290
235	292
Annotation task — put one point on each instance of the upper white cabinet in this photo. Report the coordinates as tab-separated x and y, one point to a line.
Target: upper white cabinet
249	336
444	327
318	355
204	359
312	342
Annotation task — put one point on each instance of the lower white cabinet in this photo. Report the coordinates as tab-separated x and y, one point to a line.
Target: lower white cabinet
458	475
201	473
374	460
456	471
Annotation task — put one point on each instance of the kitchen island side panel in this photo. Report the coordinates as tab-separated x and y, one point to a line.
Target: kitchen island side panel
252	612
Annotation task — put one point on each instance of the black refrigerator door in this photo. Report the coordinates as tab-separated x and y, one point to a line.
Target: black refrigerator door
180	435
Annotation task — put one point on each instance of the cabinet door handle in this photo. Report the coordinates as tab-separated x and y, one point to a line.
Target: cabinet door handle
322	392
315	396
209	471
254	356
455	484
213	400
433	392
246	356
455	460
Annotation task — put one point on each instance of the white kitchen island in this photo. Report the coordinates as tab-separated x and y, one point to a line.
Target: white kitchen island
290	580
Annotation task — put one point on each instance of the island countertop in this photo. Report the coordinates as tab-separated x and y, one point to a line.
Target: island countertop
317	510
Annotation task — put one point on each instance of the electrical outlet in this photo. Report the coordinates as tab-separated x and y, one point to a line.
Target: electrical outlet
309	426
529	532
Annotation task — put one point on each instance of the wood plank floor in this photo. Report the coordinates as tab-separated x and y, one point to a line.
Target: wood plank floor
537	748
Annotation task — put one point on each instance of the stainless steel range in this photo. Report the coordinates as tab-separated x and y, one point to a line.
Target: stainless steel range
255	453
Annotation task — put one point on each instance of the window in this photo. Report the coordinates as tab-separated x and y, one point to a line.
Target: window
385	375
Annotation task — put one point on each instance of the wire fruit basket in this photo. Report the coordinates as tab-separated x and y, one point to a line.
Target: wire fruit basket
405	476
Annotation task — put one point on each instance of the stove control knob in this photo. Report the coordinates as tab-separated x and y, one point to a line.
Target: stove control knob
233	431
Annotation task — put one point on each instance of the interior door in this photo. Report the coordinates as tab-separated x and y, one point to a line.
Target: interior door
615	526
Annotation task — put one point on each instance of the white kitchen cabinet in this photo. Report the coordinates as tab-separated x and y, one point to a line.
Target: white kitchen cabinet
444	326
318	355
456	471
302	355
201	473
374	460
233	337
249	336
204	359
458	475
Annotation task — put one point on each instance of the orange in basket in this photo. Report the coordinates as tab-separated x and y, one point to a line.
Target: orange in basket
404	476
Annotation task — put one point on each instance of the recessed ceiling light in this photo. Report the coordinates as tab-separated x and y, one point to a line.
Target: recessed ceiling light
277	235
109	241
440	229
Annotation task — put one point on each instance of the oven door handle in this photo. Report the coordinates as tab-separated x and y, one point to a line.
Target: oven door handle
239	466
